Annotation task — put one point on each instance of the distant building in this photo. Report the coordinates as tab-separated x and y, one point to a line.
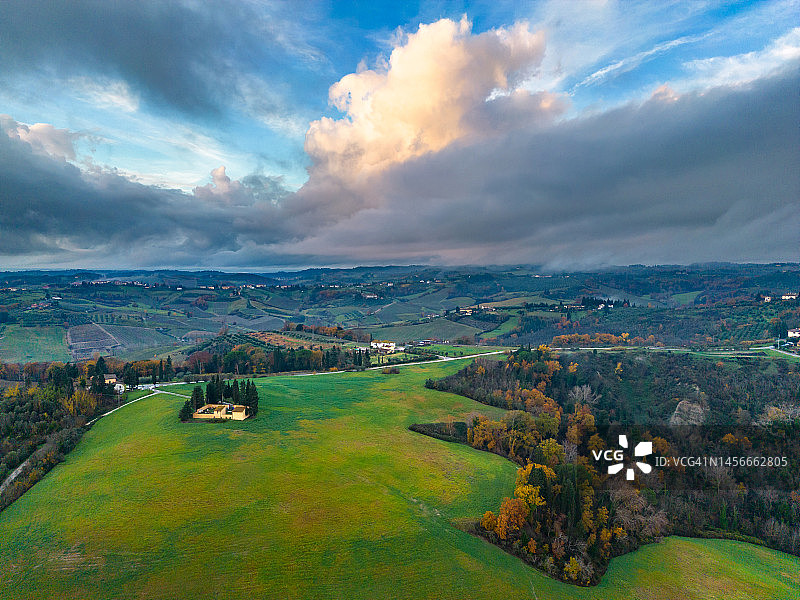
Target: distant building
794	333
383	346
119	388
237	412
767	298
789	297
110	379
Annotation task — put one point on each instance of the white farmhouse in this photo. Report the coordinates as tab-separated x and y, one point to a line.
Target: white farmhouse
383	346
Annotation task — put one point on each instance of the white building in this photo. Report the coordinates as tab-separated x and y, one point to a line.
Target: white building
794	333
383	346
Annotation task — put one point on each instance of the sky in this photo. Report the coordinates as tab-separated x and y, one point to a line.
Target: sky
257	135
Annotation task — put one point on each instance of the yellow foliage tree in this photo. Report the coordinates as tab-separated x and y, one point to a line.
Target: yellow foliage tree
489	521
572	569
530	494
513	513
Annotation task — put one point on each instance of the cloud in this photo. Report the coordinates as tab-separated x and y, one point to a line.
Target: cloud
43	138
434	89
710	175
440	157
195	58
52	212
105	93
743	68
632	62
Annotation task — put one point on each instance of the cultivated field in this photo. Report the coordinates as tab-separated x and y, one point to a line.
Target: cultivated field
325	494
441	329
32	344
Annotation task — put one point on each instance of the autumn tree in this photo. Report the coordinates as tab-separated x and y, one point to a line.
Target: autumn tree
513	512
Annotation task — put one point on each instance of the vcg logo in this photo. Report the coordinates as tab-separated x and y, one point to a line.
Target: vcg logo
642	449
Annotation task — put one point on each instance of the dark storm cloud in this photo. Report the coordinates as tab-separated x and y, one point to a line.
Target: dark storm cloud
51	211
707	176
179	54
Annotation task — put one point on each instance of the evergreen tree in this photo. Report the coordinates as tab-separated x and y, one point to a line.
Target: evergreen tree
100	367
169	371
367	360
235	392
186	411
251	397
197	398
130	376
213	396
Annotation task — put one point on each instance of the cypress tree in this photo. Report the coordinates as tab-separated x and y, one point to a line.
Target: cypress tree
235	394
186	411
197	397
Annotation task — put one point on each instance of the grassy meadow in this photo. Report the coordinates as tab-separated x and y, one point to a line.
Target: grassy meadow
33	344
325	494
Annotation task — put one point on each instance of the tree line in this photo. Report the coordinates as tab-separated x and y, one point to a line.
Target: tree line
568	516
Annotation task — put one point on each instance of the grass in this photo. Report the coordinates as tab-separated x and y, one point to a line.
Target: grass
441	328
775	354
502	329
459	350
325	494
686	297
33	344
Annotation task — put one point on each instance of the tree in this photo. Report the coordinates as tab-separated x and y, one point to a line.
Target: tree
778	328
235	393
130	376
513	512
197	398
212	396
251	397
100	367
186	411
169	370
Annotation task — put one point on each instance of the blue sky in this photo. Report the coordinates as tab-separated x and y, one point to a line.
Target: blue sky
321	113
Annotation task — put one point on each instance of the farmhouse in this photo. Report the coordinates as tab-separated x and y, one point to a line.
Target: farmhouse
110	379
383	346
789	297
794	333
237	412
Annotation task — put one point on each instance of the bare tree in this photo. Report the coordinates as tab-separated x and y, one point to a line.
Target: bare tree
583	394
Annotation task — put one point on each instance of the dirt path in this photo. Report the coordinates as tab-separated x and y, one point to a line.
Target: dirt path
14	474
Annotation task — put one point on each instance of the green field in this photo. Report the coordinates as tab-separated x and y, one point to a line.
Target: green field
504	328
686	297
33	344
325	494
458	350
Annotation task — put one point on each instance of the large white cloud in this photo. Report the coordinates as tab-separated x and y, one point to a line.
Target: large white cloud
438	86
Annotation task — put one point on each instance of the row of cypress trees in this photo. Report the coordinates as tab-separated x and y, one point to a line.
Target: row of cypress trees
217	392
